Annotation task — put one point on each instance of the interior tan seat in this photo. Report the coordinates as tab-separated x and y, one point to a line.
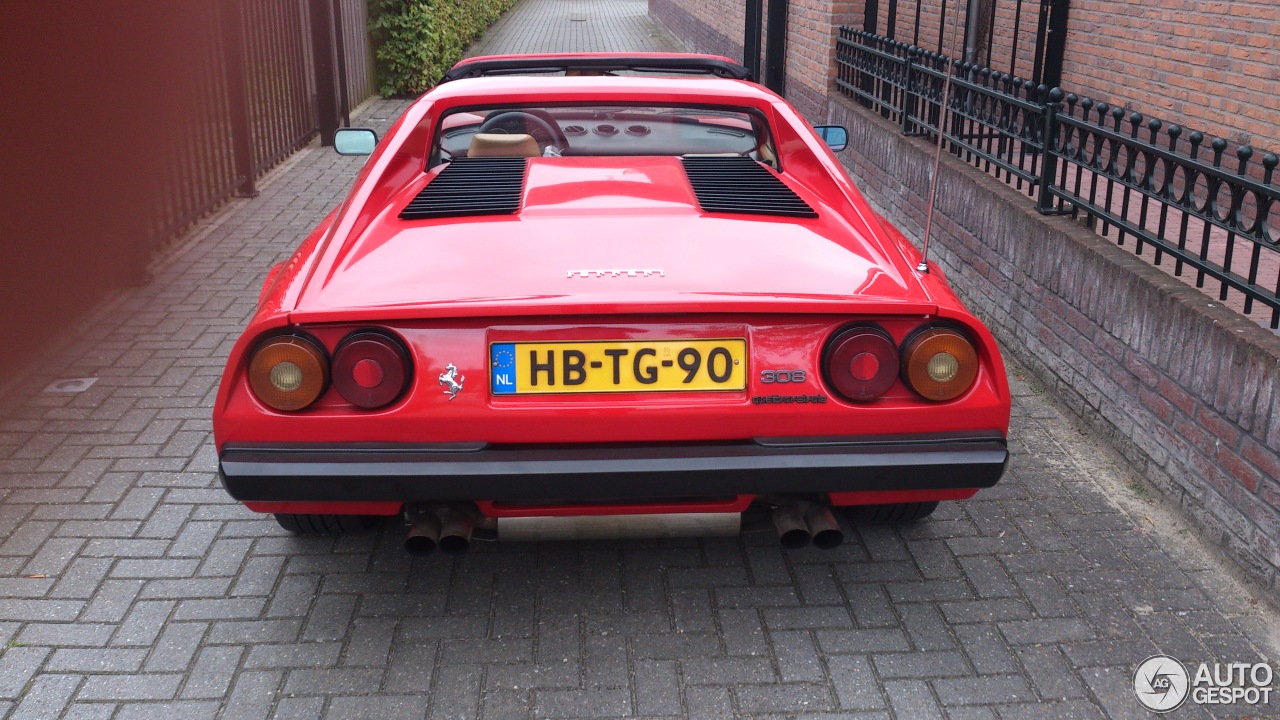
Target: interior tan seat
503	145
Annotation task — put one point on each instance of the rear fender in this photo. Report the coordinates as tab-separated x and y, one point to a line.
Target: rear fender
270	280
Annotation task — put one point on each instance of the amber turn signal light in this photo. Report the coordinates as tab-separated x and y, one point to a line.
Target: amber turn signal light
939	363
288	372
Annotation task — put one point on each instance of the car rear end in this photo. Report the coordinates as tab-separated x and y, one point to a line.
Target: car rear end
629	414
640	343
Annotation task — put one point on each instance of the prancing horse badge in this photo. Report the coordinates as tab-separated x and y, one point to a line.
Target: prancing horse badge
451	380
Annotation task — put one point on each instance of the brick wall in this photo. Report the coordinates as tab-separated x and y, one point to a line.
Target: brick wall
945	34
811	33
903	27
1213	66
1187	390
1014	54
716	26
711	26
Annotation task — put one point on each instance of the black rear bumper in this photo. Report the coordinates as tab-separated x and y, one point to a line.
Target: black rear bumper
479	471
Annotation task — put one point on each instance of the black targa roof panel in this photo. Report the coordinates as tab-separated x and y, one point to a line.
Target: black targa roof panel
525	64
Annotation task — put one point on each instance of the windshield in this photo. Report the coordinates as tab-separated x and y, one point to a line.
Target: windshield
602	130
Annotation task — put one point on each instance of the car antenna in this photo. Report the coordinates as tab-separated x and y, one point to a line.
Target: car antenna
945	110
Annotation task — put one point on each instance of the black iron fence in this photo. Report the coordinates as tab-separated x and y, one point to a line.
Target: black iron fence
266	76
1130	178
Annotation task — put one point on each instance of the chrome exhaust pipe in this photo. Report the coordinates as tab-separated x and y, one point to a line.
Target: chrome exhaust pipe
424	534
823	527
617	527
793	533
455	530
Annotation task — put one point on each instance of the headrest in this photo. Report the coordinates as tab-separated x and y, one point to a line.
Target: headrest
502	145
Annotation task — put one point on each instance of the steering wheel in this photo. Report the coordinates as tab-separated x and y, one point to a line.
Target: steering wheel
503	122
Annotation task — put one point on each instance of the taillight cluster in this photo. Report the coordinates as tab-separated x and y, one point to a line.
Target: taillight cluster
861	362
939	363
369	369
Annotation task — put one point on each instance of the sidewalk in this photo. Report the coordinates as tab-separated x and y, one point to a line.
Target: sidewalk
131	586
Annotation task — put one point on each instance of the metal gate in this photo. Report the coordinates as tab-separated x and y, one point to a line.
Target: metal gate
1024	38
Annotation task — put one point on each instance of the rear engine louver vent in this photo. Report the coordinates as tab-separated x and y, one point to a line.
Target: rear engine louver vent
471	186
742	185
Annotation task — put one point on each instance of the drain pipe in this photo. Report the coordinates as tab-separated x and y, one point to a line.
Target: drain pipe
775	49
751	36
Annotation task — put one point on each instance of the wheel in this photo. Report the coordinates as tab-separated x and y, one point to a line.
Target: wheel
543	129
323	524
893	513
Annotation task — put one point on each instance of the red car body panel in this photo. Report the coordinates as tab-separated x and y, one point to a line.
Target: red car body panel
426	412
624	213
449	287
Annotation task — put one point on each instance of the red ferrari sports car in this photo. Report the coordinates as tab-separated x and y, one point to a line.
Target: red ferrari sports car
574	295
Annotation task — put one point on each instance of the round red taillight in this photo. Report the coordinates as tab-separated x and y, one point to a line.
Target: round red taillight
370	369
861	363
288	372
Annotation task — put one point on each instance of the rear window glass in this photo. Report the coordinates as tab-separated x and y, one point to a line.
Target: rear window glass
602	130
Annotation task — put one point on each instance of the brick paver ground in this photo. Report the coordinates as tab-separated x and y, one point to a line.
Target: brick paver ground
132	587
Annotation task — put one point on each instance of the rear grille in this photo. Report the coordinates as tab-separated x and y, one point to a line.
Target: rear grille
742	185
471	186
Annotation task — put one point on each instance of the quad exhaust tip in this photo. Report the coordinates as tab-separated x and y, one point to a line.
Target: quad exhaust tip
823	528
793	533
424	535
455	530
446	527
801	523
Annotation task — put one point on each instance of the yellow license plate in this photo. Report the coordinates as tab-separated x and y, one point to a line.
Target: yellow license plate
617	366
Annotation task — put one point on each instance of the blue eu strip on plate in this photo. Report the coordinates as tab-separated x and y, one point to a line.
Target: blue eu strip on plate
502	368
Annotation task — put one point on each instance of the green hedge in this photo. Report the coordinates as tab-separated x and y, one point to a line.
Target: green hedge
416	41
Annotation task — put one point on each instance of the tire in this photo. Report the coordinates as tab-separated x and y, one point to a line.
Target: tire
323	524
882	514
